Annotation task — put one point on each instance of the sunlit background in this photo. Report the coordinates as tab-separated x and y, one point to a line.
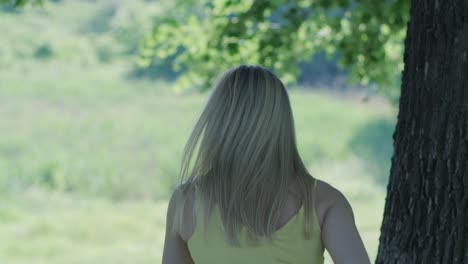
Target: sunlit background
90	144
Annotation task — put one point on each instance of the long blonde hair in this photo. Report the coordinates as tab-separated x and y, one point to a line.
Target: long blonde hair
247	161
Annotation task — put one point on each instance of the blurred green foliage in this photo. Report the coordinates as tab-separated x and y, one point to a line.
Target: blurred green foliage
191	40
101	32
20	3
88	157
208	35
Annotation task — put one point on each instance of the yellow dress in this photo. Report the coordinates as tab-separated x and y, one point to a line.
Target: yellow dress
288	246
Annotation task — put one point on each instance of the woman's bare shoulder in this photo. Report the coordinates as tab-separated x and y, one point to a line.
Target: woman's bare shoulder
327	196
339	232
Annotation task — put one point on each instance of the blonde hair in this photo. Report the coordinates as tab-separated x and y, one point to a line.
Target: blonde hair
247	161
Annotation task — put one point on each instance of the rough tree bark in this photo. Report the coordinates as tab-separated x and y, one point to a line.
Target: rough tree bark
426	210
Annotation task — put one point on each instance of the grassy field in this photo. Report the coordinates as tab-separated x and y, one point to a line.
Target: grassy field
38	227
87	164
88	156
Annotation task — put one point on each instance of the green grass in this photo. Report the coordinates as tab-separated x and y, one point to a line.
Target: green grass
44	227
87	167
124	139
53	228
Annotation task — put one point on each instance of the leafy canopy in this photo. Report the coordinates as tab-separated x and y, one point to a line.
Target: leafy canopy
20	3
207	36
204	37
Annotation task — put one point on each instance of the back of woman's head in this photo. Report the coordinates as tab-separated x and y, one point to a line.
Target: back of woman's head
247	161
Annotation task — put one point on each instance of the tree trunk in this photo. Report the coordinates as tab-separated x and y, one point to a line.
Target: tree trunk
426	210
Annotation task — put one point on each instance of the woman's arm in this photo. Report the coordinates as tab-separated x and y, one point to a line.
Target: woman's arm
175	248
339	233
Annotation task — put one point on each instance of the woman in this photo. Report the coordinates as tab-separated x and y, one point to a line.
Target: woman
248	197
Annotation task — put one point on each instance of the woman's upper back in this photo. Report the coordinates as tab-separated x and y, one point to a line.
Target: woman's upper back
334	217
288	245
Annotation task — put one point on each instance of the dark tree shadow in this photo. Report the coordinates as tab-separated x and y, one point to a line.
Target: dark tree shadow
373	143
